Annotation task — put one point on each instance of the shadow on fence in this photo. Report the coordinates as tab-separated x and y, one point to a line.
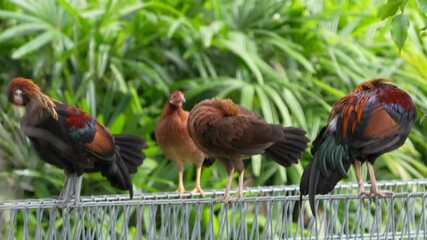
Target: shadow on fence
264	213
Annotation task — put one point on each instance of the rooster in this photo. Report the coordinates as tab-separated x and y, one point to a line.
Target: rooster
230	133
172	137
70	139
373	119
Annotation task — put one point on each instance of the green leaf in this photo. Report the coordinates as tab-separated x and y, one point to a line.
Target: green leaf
19	30
118	124
265	104
389	9
256	164
422	5
247	96
237	47
399	30
33	45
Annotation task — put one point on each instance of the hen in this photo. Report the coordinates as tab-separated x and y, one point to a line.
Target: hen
230	133
373	119
70	139
172	137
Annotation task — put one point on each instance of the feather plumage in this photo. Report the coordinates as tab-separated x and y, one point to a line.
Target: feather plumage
231	133
375	118
70	139
172	137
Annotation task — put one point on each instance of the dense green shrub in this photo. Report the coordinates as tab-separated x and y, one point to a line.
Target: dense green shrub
288	60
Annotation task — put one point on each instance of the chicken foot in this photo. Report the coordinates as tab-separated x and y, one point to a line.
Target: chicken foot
374	187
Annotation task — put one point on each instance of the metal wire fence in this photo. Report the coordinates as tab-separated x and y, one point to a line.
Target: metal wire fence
264	213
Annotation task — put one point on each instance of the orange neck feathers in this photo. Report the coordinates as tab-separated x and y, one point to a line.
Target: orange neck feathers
31	92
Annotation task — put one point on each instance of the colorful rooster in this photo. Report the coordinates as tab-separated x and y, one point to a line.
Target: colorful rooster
373	119
70	139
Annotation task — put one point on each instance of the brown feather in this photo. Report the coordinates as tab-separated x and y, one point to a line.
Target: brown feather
381	125
172	136
102	144
224	129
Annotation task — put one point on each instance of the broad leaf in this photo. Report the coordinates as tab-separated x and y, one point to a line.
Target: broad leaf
389	9
399	29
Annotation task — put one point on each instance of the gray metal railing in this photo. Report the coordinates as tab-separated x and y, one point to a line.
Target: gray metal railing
264	213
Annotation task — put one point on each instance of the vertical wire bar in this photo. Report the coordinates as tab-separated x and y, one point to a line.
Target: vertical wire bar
223	221
234	227
392	217
408	218
185	219
13	213
300	220
345	229
246	212
165	220
279	217
125	225
174	227
51	230
196	233
2	222
25	230
267	227
151	234
255	224
419	228
287	219
138	231
112	223
86	228
425	218
91	222
210	229
39	216
65	234
79	222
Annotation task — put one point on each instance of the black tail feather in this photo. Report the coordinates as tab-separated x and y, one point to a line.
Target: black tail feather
290	149
313	182
128	157
130	147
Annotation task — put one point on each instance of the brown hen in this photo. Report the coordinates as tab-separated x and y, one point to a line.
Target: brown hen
229	132
172	137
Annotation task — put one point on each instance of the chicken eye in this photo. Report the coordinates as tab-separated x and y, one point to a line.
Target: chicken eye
18	97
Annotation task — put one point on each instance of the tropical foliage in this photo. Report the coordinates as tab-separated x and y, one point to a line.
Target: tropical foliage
288	60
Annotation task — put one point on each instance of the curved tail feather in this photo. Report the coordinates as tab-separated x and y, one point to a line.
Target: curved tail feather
128	157
314	182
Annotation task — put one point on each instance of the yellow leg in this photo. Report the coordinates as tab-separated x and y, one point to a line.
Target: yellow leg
198	188
181	188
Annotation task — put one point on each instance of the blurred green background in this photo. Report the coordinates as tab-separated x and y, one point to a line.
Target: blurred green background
287	60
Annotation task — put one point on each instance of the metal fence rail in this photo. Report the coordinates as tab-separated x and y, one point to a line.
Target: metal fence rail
264	213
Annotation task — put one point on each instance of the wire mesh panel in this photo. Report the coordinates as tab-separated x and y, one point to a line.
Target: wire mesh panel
264	213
